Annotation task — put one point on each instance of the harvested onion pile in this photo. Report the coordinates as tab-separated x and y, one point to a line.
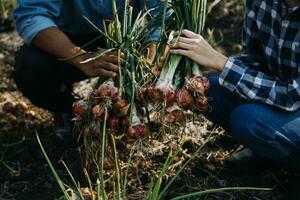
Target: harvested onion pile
123	101
120	106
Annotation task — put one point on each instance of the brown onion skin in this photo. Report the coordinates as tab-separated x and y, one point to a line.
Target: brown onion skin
99	112
140	95
138	131
80	108
195	85
8	107
201	84
204	81
155	94
184	98
121	107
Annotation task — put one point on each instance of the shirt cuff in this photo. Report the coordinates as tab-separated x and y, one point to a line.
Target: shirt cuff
232	74
35	25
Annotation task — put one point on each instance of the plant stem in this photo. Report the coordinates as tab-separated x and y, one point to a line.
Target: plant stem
103	144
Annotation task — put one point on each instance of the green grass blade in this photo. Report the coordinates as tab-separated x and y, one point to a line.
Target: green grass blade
56	176
155	192
89	182
74	182
219	190
99	30
103	144
163	192
117	168
125	177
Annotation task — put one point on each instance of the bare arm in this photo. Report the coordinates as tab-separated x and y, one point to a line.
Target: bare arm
57	43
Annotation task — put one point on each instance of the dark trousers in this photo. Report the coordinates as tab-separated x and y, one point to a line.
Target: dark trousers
268	131
46	81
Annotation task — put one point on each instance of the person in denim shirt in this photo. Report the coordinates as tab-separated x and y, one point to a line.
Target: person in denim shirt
256	95
55	30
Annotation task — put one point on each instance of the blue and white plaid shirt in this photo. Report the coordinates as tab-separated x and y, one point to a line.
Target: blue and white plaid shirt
269	71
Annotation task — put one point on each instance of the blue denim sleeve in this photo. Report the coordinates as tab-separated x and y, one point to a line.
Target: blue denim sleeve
157	14
33	16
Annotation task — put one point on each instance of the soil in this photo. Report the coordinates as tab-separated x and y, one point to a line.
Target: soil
24	173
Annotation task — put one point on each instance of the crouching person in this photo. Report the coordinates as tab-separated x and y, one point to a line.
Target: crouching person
256	96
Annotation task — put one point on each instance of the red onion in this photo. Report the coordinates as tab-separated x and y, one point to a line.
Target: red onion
137	131
202	104
184	98
12	118
125	123
155	94
8	107
108	89
170	95
140	95
115	123
204	81
159	93
99	112
121	107
80	108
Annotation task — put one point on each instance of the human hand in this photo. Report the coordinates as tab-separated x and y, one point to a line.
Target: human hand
195	47
106	65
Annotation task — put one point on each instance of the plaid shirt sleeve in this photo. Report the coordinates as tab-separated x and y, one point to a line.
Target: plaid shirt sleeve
242	75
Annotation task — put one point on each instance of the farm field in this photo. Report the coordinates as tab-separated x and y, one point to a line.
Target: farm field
25	174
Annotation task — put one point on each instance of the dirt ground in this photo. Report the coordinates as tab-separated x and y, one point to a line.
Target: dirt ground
24	173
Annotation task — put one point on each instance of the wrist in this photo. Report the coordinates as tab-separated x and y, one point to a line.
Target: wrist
76	55
220	62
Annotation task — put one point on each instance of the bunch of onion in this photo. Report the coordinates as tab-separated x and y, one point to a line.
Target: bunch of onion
191	14
164	90
198	85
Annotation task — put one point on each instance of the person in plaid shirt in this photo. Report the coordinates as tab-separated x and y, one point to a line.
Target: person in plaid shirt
256	95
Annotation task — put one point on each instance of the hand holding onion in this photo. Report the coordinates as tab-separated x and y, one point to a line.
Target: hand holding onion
195	47
106	65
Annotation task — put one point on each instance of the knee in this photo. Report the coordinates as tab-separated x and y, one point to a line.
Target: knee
244	123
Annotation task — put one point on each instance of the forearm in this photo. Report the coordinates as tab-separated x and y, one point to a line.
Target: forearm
57	43
252	84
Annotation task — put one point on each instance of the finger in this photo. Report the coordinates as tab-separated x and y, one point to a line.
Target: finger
186	40
106	73
182	45
181	52
112	58
110	66
116	53
189	34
